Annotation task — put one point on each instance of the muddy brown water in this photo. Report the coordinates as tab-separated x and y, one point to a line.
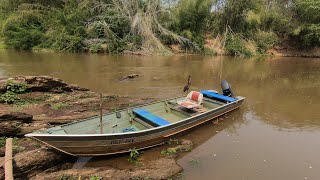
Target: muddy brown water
274	135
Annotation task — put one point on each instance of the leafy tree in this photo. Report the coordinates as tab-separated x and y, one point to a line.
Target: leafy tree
23	30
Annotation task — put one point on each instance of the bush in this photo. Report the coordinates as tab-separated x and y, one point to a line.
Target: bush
276	22
236	46
310	35
308	10
23	30
17	88
9	97
264	41
65	42
169	152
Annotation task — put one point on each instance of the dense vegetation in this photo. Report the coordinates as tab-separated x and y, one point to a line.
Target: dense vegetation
240	27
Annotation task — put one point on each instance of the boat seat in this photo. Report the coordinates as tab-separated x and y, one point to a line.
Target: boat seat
150	118
193	100
219	97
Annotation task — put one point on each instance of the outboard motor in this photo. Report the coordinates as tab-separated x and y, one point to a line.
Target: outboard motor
226	89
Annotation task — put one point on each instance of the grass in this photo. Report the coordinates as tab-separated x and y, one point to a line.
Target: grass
95	178
15	145
59	106
173	141
37	145
169	152
2	141
87	95
36	100
2	45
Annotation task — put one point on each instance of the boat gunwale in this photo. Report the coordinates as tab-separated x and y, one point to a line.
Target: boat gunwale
239	98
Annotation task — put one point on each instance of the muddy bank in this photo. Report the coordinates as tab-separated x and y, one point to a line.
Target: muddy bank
46	101
46	163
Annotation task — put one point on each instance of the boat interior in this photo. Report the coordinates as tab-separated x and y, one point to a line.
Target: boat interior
147	116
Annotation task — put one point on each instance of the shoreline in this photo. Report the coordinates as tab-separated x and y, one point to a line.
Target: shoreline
278	51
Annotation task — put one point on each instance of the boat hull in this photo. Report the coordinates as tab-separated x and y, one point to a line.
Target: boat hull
106	144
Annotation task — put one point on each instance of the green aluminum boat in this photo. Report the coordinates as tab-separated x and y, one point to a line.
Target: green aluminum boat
137	127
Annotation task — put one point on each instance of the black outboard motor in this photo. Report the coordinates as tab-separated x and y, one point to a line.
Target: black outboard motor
226	89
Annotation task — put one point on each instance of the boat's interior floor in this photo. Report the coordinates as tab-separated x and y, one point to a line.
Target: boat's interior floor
137	119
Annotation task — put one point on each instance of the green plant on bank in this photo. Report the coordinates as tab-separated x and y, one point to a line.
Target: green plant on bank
173	141
2	141
35	100
58	106
9	97
134	156
66	177
13	89
235	45
15	144
37	145
118	26
169	152
264	41
95	178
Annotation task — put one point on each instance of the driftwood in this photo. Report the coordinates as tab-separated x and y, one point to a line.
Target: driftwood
130	76
8	168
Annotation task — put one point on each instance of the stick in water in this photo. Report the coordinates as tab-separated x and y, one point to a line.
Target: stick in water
101	129
8	169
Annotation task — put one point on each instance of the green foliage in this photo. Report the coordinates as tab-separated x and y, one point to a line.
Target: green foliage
12	90
173	141
308	10
95	178
23	30
17	88
9	97
58	106
169	152
66	27
100	26
2	141
235	46
208	51
192	15
310	35
264	41
37	145
134	156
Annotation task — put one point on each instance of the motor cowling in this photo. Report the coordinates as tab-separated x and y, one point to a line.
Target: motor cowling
226	89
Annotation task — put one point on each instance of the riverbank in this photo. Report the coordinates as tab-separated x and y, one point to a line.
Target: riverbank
213	48
43	102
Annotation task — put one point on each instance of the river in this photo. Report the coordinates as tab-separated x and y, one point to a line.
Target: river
274	135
